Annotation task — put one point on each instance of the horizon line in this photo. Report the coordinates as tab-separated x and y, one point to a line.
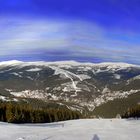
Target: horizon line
74	61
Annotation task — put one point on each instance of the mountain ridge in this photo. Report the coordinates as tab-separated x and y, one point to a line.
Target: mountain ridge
85	85
68	62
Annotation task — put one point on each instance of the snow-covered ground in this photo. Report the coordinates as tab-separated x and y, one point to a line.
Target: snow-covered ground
86	129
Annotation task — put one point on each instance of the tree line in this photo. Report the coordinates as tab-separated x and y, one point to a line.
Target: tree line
15	113
132	112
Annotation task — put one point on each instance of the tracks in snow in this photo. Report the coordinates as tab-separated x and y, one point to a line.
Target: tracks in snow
69	75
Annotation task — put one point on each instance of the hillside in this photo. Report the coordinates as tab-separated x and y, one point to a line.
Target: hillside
77	86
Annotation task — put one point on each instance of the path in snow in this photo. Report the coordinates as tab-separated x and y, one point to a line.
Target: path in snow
68	75
90	129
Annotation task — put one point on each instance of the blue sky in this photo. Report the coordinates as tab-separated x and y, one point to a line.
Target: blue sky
81	30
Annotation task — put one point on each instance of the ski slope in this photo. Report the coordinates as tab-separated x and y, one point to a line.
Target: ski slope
84	129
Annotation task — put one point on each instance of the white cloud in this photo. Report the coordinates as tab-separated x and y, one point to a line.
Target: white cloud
77	37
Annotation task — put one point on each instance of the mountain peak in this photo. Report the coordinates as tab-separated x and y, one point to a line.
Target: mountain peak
11	62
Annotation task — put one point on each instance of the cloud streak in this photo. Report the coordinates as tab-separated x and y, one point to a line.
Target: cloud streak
67	39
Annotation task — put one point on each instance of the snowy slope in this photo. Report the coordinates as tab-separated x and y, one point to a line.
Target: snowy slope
69	63
90	129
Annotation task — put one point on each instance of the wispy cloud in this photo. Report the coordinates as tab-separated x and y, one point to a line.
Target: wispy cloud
71	38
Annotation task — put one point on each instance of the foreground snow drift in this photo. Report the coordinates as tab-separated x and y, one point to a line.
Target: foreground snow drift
88	129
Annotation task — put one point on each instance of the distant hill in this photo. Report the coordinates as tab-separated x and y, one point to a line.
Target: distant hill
103	89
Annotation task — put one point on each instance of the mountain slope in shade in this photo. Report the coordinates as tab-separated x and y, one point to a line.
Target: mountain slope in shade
80	84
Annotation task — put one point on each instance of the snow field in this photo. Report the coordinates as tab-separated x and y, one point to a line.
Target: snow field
84	129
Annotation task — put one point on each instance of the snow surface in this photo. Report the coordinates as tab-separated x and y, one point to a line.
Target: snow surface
16	74
35	69
117	76
110	65
68	75
7	99
86	129
29	94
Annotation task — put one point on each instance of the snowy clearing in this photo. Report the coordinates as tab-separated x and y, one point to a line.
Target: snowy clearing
84	129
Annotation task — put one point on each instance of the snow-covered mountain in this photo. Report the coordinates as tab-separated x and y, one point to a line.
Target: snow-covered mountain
83	84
